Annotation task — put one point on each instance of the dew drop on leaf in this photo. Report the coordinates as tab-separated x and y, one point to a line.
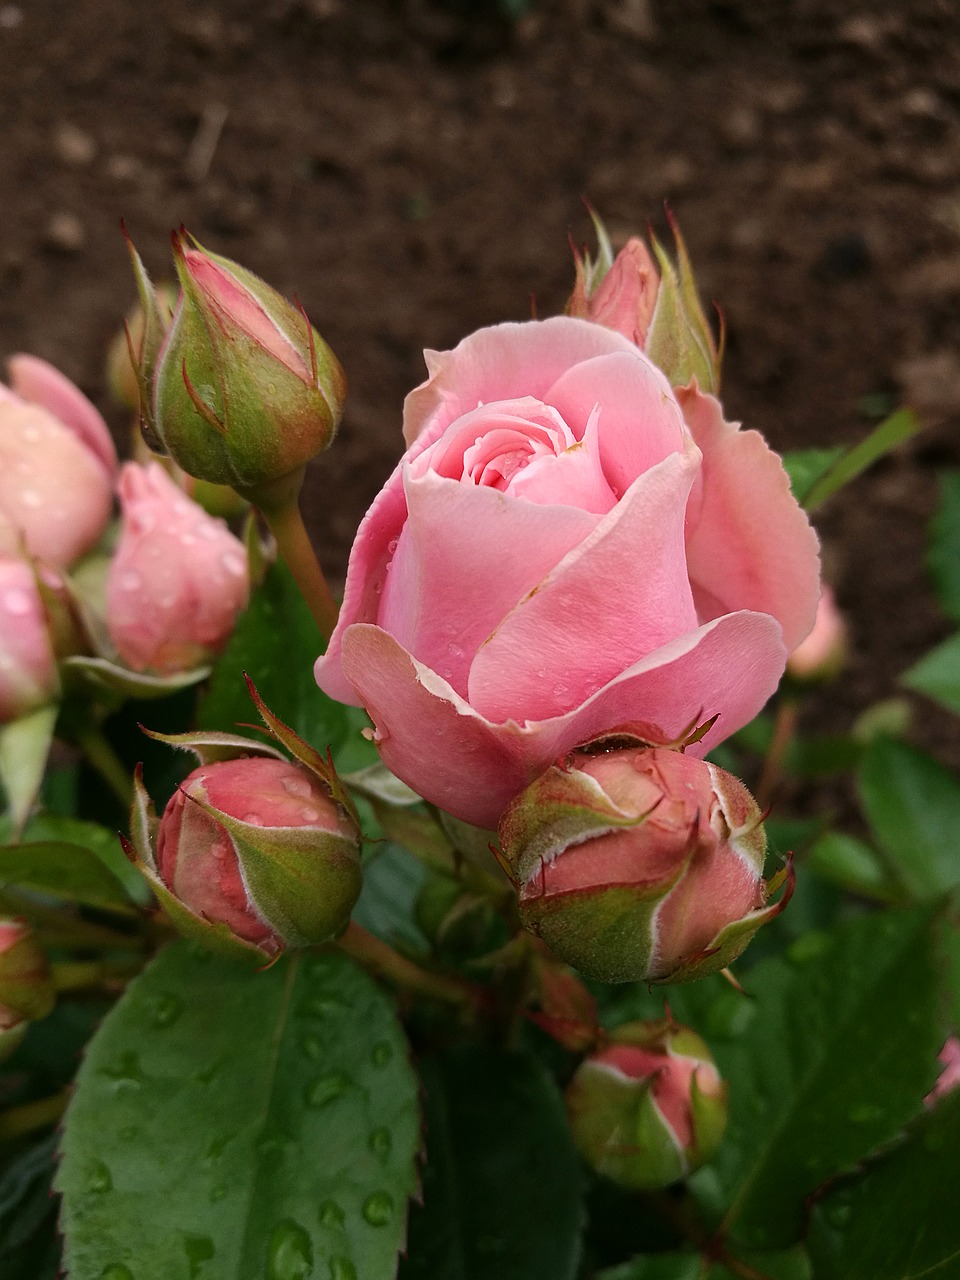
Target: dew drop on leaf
199	1250
324	1089
166	1010
312	1047
116	1271
291	1252
218	1193
381	1143
342	1269
99	1179
331	1215
378	1208
381	1053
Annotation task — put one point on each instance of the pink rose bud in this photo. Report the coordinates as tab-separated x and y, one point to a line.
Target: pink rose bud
822	654
178	578
641	864
261	846
662	313
650	1108
949	1078
26	990
28	667
244	390
57	462
623	296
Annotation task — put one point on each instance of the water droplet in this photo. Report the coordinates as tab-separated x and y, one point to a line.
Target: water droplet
216	1149
130	580
342	1269
127	1072
455	650
166	1010
270	1149
296	785
325	1089
378	1208
208	1074
116	1271
17	602
234	564
392	545
208	531
99	1178
308	814
218	1193
291	1252
30	498
31	434
199	1249
331	1215
381	1053
188	540
311	1047
323	1006
381	1143
838	1213
322	967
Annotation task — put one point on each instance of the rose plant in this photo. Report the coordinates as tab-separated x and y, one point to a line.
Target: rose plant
567	548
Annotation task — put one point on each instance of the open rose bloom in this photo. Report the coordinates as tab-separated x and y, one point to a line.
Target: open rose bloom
568	547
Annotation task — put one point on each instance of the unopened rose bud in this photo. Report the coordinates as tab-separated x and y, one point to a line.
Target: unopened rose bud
26	990
624	297
178	578
821	656
245	391
28	667
57	463
638	865
261	846
650	1108
127	351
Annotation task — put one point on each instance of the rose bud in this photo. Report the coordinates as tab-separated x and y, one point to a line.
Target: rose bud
245	391
178	578
662	313
822	654
128	350
565	548
26	990
254	849
28	666
640	864
650	1108
57	462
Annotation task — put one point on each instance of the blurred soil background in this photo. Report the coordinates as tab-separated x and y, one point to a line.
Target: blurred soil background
412	169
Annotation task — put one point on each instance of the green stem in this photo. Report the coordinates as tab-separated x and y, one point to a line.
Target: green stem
379	957
784	732
107	763
80	975
279	504
19	1121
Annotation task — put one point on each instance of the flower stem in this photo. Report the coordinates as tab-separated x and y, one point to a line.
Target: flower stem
784	731
80	975
379	957
279	504
107	763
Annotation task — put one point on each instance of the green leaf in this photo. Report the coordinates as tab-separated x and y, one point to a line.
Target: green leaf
943	558
893	431
853	865
392	880
937	674
899	1220
65	871
806	466
101	841
658	1266
501	1187
231	1124
913	806
28	1246
837	1057
24	747
276	643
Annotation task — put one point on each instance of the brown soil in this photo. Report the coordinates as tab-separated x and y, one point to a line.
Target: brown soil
411	170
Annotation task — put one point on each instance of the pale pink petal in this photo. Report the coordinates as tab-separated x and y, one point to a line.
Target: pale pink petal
466	556
626	297
503	362
549	654
640	422
40	383
439	745
751	546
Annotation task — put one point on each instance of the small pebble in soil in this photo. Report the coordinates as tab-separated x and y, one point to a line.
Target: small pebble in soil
65	233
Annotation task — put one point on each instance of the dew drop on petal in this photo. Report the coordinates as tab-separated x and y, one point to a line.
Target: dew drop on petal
233	563
130	580
17	602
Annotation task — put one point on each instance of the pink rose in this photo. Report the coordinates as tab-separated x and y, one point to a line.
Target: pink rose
57	463
28	667
822	654
178	578
568	547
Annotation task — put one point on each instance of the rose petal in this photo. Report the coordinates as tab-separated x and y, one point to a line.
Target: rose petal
503	362
456	570
439	745
751	547
40	383
548	654
640	422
